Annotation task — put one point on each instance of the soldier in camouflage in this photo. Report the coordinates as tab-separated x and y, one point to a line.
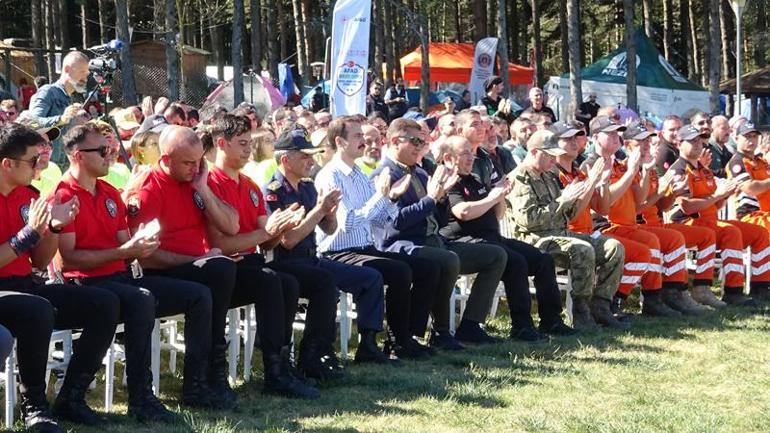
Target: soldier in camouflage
541	213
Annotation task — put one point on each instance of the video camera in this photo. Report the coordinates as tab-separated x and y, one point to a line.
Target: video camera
106	62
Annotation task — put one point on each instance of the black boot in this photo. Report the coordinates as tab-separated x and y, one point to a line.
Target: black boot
368	352
319	363
654	306
71	405
600	310
616	307
472	332
197	394
735	296
145	407
405	348
35	411
217	377
280	381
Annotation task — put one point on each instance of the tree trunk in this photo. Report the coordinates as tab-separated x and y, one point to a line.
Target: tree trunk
668	30
726	30
64	29
102	21
685	45
390	55
172	53
628	14
425	51
379	36
564	30
57	23
159	14
83	24
760	44
256	36
715	55
37	35
50	44
302	66
283	31
502	44
307	18
513	30
237	58
536	43
491	14
126	63
649	10
218	46
575	82
272	43
456	8
480	19
696	44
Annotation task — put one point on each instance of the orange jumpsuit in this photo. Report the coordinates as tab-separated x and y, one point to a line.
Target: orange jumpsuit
702	239
752	209
667	247
732	236
638	257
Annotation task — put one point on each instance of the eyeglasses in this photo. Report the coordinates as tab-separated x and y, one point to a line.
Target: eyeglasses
33	162
414	140
103	151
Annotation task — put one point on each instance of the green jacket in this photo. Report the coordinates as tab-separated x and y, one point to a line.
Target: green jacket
536	206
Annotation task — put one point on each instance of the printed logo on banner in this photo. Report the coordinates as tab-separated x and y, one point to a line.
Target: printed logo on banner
484	60
351	78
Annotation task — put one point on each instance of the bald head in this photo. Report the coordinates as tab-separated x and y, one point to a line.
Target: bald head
175	138
720	129
457	152
75	72
73	58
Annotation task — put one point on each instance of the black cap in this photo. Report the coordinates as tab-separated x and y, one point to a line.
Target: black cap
565	130
296	139
689	132
492	81
154	123
747	128
605	124
637	131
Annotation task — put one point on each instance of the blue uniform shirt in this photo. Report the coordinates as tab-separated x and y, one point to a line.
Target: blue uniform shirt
279	194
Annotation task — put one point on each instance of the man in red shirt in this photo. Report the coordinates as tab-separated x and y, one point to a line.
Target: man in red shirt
176	193
32	225
274	294
94	250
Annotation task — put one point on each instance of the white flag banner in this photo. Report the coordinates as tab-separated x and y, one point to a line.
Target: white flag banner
483	65
350	56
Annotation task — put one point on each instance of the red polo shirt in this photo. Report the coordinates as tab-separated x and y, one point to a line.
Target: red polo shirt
102	215
178	208
14	210
243	195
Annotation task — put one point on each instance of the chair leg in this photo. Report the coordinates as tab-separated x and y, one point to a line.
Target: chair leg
344	325
233	343
155	358
248	342
10	389
109	377
172	337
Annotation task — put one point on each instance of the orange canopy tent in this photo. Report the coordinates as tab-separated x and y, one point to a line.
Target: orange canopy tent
452	63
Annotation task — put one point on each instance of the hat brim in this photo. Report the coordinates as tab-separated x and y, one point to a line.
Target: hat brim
555	151
613	128
694	136
128	125
52	133
642	136
312	151
749	131
569	133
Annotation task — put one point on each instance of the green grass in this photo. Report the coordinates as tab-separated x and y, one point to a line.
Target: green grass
707	374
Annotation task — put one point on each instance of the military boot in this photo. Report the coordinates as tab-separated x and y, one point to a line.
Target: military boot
705	296
760	293
280	381
674	298
734	296
197	394
316	365
218	378
71	405
368	352
36	412
581	315
600	310
653	305
144	406
616	308
692	303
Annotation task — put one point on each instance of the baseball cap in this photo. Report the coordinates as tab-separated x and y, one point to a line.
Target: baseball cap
492	81
154	123
546	141
125	119
51	132
565	130
296	139
689	132
419	117
747	128
319	136
605	124
637	131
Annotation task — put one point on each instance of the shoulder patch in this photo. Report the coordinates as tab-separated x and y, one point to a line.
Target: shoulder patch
112	207
274	185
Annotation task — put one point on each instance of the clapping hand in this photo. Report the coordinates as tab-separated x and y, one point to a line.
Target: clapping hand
63	213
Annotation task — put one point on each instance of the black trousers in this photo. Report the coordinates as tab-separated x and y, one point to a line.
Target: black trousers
525	260
92	309
411	281
144	299
218	274
29	319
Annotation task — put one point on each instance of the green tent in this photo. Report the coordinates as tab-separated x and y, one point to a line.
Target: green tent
661	89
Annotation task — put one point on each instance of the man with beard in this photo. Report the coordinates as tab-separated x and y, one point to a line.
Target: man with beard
372	152
521	129
668	148
720	153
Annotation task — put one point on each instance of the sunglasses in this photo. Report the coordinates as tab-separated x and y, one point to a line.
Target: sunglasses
33	162
414	140
103	151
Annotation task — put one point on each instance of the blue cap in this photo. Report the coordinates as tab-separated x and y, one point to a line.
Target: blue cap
296	138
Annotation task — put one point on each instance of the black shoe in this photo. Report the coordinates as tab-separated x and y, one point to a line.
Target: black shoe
739	299
760	294
71	405
406	349
653	306
217	378
559	329
197	394
528	334
472	332
443	340
369	353
279	380
318	366
149	409
36	412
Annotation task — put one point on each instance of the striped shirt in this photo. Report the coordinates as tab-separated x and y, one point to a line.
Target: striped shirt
360	207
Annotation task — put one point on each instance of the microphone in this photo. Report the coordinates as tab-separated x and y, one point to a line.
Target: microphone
113	45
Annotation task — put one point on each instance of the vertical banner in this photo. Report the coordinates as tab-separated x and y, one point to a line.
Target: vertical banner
350	56
483	66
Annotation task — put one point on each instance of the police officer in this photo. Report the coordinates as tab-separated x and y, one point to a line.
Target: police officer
542	211
33	227
29	319
475	212
177	194
275	294
291	187
94	250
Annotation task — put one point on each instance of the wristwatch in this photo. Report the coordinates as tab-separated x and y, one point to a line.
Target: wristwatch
53	230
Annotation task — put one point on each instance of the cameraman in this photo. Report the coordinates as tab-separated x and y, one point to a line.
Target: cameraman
52	104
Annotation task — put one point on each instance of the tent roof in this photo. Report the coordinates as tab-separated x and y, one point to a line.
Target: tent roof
757	82
652	69
452	63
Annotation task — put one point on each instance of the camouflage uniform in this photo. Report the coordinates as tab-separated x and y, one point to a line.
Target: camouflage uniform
542	221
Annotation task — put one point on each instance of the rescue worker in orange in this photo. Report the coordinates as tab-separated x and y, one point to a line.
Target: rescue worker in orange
698	206
666	276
